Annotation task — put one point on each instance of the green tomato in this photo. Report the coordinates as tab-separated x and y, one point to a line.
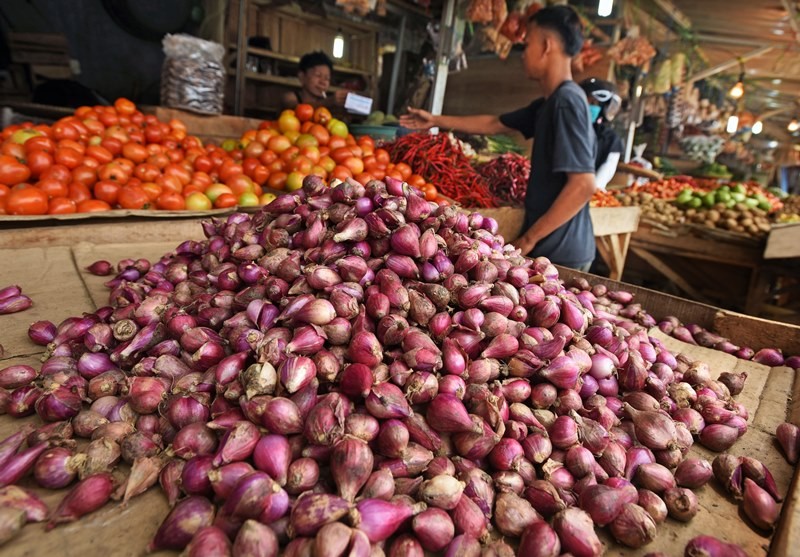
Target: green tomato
739	188
738	197
751	202
21	136
695	202
248	199
709	200
230	144
198	202
765	205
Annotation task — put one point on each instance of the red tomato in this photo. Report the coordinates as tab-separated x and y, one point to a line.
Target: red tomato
84	174
53	188
107	190
26	201
304	112
124	106
93	206
171	201
68	157
61	206
78	192
38	162
133	197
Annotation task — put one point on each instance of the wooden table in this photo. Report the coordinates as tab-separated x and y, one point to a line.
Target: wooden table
720	267
115	531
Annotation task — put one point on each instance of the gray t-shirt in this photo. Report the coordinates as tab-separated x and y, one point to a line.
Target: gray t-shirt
564	142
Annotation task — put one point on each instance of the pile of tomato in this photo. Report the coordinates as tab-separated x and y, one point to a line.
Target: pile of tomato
115	157
308	141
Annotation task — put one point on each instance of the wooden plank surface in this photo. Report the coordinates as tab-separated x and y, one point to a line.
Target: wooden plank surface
116	531
614	220
783	242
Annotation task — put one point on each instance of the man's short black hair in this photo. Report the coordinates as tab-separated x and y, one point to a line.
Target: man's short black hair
314	59
565	22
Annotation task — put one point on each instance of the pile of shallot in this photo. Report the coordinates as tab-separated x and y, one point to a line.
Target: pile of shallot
356	371
622	306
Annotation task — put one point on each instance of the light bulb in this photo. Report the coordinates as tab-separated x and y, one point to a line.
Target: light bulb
737	90
338	45
758	127
733	124
604	7
793	126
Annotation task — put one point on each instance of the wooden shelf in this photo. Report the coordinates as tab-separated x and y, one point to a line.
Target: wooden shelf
279	80
296	60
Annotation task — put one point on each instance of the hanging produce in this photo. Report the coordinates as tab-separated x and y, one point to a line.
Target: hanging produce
632	51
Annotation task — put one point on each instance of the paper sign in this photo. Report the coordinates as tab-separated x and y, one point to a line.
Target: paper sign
358	104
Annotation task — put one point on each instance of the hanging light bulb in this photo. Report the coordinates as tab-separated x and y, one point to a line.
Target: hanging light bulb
793	126
604	7
338	45
733	124
737	91
758	127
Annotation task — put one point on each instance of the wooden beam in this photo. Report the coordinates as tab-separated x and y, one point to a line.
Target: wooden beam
674	13
657	264
791	10
730	63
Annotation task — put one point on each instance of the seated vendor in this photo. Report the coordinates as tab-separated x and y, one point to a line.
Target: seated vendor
315	79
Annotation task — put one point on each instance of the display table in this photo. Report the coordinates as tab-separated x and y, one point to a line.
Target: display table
716	266
54	278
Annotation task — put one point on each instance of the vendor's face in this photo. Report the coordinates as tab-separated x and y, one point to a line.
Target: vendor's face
316	80
534	57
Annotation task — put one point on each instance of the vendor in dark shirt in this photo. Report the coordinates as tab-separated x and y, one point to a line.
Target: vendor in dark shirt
314	73
604	104
557	223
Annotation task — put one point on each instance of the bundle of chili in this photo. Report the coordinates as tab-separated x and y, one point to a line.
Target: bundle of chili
507	177
439	161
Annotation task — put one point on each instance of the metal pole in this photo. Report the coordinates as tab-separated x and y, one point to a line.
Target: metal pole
443	56
241	57
398	55
637	99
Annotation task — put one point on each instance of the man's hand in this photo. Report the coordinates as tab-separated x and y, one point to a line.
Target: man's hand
340	96
525	244
417	119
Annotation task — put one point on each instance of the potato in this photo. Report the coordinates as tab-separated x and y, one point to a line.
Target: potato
713	215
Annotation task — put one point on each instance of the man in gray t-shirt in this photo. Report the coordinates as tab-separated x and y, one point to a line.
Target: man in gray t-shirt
557	223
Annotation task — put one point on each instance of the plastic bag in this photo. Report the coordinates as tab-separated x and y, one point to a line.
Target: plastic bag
193	75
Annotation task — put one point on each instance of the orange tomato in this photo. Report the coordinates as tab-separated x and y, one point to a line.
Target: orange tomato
153	190
13	172
99	153
341	173
322	115
93	206
354	164
84	174
403	169
320	133
382	156
430	191
363	178
416	180
124	107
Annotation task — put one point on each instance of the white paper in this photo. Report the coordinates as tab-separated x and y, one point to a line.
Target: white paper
358	104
